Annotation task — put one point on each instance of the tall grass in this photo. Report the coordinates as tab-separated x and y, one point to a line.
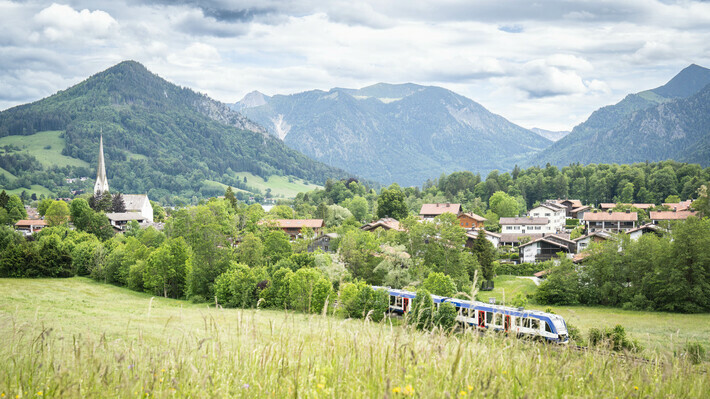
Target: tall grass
180	350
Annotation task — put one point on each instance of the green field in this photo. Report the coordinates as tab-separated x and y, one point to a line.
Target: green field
223	187
279	185
36	144
656	331
78	338
7	174
35	188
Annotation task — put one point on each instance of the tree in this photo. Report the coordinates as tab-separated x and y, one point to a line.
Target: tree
503	204
237	287
117	203
358	207
308	290
282	212
337	215
276	294
672	199
439	284
229	196
15	209
561	287
165	268
158	212
4	198
57	214
277	246
391	203
627	193
702	205
250	251
43	206
485	252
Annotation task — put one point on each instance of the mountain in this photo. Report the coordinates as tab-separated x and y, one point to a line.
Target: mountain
159	138
404	133
657	124
549	134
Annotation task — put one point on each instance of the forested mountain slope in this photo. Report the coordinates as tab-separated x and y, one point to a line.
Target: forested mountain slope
668	122
157	136
403	133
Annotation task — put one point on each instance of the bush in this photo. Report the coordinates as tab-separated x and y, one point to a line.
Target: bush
380	305
439	284
308	290
135	276
613	338
523	269
445	317
355	298
237	287
695	352
422	309
275	295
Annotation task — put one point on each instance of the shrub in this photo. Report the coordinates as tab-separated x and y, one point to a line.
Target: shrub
380	305
439	284
83	257
135	276
422	309
308	290
695	352
275	295
445	316
613	338
236	287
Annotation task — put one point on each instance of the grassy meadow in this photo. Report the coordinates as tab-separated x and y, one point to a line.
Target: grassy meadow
78	338
279	185
37	145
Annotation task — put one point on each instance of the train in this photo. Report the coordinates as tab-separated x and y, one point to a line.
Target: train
484	316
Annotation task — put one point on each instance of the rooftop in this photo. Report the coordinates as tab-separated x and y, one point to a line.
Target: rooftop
438	209
474	216
385	223
611	216
611	205
30	222
134	202
523	220
124	216
671	215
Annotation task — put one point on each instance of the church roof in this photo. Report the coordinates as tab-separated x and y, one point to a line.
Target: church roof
101	184
134	202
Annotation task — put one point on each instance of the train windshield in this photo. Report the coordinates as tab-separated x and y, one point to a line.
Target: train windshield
559	325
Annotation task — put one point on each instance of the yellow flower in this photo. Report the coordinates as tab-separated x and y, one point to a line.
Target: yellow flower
636	388
408	390
162	371
39	393
470	388
463	393
396	390
321	386
2	395
505	372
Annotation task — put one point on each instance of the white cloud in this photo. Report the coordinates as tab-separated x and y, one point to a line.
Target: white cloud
61	22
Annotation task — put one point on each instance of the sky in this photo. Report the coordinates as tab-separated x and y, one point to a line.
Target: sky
546	64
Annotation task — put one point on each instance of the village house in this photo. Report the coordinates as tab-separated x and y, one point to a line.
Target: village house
614	222
322	242
470	220
472	234
569	205
294	227
27	227
665	217
635	234
585	241
138	208
578	213
679	206
523	225
384	224
606	206
545	248
555	215
430	211
120	220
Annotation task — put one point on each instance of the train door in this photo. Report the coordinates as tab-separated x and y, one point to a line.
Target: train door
481	318
506	323
405	305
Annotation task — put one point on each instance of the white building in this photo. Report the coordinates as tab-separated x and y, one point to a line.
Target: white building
555	214
138	208
546	248
526	225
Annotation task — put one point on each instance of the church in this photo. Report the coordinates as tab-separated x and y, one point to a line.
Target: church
138	206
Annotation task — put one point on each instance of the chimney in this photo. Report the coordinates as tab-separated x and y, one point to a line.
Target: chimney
628	211
674	209
610	211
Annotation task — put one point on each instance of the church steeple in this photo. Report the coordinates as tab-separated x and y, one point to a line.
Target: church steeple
101	185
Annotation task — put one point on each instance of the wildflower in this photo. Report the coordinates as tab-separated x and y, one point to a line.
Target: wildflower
161	380
130	367
470	388
463	393
396	390
408	390
636	388
162	371
505	372
39	393
245	386
321	386
2	395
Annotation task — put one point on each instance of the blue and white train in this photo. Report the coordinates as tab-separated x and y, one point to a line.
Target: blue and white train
522	322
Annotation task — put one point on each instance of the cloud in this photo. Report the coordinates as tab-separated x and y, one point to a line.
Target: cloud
61	22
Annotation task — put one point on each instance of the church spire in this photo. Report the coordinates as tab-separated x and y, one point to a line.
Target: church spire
101	185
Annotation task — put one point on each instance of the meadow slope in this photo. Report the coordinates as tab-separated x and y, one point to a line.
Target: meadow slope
78	338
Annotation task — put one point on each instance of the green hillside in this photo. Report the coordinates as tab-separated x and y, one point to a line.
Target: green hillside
159	138
280	185
46	146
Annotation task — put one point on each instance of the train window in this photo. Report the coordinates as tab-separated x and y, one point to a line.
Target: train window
489	317
526	322
547	327
535	324
393	300
498	319
398	301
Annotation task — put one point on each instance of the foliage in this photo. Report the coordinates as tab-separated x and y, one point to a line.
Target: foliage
503	204
615	339
485	252
520	269
250	251
57	214
308	290
390	203
445	316
439	284
422	309
695	352
277	246
165	268
276	294
561	287
237	287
